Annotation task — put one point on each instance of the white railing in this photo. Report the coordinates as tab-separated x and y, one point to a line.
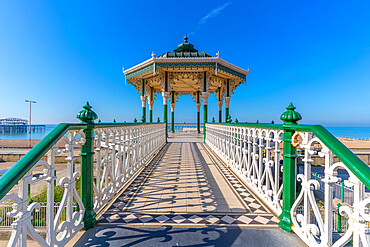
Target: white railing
320	234
254	154
59	232
119	153
38	216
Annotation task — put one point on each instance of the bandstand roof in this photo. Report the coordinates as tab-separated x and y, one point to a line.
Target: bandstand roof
185	69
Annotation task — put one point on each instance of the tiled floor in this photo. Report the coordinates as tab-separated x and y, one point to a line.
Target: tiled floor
184	185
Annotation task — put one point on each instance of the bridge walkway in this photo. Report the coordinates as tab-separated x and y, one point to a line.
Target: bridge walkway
186	197
187	185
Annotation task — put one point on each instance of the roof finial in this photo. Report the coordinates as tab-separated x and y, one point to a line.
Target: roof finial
153	54
218	54
186	38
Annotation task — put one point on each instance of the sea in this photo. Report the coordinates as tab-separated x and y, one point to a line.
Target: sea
347	132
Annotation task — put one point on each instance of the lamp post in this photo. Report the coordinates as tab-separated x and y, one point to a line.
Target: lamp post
29	138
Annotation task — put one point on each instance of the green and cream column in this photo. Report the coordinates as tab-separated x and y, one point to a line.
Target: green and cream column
205	111
227	111
173	111
165	96
290	118
143	103
87	116
198	110
220	103
151	102
227	100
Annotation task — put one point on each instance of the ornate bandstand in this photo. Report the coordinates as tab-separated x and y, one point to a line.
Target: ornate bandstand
185	71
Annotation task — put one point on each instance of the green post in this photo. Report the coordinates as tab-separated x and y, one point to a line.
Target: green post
144	115
173	121
339	219
87	116
220	116
227	113
290	118
151	116
342	191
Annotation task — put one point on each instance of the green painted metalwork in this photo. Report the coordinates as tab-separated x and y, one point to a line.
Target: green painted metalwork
165	118
339	219
227	115
290	117
143	118
342	191
220	116
87	115
151	116
191	66
231	71
198	121
140	71
173	121
87	175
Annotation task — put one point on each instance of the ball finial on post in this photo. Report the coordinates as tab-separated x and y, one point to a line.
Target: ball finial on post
87	115
290	116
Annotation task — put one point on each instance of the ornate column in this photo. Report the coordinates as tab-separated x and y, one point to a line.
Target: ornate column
227	113
220	102
172	111
165	96
165	103
151	102
143	102
227	99
198	111
205	105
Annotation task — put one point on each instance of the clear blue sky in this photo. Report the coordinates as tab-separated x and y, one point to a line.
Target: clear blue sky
315	54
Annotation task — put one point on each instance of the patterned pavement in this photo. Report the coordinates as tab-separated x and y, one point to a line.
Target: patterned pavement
187	185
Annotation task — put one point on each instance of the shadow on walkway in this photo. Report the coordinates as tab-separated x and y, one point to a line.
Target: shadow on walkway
172	236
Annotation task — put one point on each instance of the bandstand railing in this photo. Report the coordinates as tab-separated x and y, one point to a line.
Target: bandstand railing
110	154
254	152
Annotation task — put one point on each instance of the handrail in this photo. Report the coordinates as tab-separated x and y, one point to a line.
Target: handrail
354	164
19	169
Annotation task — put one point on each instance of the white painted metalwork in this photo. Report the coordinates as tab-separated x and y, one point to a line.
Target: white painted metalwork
254	155
120	152
59	231
320	234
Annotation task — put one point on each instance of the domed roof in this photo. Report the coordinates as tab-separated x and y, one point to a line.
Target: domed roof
185	50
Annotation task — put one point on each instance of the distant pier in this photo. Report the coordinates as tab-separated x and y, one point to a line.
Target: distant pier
17	125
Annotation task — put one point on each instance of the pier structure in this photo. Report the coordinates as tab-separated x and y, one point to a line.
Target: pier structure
17	125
